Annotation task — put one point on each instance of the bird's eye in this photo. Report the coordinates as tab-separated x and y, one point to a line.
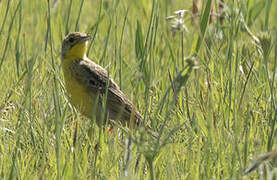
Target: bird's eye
71	40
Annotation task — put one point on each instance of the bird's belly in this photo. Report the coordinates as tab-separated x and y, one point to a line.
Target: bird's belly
80	97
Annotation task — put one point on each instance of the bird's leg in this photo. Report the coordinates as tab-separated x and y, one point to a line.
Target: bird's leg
110	130
75	135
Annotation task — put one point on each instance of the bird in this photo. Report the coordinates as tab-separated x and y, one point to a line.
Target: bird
89	87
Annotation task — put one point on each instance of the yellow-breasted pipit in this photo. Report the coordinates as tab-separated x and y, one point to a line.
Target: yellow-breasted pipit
87	84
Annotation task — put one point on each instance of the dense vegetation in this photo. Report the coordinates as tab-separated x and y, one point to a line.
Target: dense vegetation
207	88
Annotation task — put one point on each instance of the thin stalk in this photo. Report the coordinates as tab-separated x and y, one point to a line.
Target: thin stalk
151	168
57	105
273	101
120	48
182	48
99	18
267	13
79	14
9	35
5	17
68	17
17	50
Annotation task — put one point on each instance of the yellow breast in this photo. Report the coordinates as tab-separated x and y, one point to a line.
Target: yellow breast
78	94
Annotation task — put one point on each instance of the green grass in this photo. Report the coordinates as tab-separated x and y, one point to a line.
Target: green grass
209	92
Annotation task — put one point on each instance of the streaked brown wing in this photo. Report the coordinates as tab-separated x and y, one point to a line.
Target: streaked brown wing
115	98
95	79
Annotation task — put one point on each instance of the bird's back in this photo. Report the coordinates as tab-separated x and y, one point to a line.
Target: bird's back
88	83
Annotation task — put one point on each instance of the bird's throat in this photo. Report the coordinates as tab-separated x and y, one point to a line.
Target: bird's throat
78	51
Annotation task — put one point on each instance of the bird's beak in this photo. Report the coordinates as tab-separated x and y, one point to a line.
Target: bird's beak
85	38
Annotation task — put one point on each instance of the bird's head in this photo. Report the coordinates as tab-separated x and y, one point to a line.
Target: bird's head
75	45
